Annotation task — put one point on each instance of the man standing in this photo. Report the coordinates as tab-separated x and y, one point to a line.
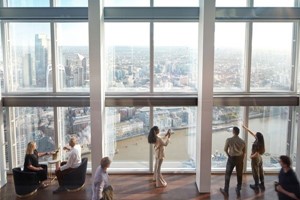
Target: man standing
235	150
72	163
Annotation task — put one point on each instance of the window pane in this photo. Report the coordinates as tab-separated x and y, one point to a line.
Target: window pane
272	122
73	57
175	57
176	3
29	57
272	3
73	3
126	3
126	137
31	124
181	151
224	119
271	56
231	3
28	3
127	57
76	122
229	57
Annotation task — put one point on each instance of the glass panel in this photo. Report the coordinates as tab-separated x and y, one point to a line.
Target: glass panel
271	56
229	57
175	57
29	57
224	119
176	3
272	122
273	3
76	122
231	3
126	137
127	56
181	151
126	3
72	3
28	3
73	57
32	124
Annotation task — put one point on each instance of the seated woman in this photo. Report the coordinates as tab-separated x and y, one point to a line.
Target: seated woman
31	163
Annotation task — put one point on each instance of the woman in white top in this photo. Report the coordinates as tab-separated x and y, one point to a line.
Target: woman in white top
159	148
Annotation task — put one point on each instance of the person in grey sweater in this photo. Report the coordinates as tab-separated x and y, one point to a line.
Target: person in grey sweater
102	189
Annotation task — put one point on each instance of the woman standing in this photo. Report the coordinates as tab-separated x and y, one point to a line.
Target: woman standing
159	148
258	149
31	163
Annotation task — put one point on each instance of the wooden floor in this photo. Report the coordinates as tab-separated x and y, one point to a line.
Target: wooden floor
140	187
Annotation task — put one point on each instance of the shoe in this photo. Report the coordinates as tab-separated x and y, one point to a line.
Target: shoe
225	193
43	185
59	189
238	192
262	186
254	187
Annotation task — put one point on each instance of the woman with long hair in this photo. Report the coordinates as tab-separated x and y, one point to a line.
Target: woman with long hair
31	162
159	149
258	149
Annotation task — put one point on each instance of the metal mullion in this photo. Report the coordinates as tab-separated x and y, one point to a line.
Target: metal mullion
248	55
53	56
56	131
297	57
289	132
294	58
246	123
151	114
5	48
151	57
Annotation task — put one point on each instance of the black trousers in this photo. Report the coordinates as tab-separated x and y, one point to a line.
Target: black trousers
237	163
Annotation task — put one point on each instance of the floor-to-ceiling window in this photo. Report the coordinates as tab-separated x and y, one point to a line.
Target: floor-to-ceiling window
45	62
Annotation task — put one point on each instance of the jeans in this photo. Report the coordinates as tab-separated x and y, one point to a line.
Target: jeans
237	162
257	170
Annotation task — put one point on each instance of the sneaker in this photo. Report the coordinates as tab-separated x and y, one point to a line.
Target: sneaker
238	192
59	189
262	186
225	193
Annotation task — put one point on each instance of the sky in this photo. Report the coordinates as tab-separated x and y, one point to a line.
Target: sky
165	34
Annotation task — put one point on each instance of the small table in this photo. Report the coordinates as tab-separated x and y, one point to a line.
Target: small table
50	163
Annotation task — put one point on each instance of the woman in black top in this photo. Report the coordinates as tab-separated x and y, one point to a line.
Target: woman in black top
258	149
288	187
31	163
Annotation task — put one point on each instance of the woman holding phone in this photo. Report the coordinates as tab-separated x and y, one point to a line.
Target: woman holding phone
159	149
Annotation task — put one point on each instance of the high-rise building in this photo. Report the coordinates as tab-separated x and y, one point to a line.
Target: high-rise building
29	76
42	57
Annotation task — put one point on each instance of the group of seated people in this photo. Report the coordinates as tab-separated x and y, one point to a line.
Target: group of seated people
31	163
101	187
